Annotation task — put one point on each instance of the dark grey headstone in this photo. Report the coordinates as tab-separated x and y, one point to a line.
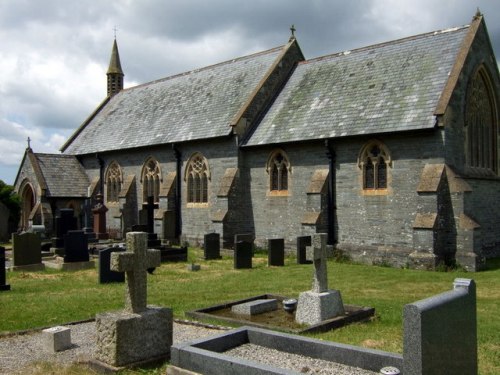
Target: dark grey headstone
76	247
26	249
247	237
276	252
139	228
212	246
440	332
302	243
3	281
243	255
106	275
64	223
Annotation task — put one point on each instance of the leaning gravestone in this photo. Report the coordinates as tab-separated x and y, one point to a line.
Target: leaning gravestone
320	303
276	252
243	255
139	333
76	247
3	281
106	275
27	252
212	246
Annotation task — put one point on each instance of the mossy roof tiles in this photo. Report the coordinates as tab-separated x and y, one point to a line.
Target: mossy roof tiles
195	105
383	88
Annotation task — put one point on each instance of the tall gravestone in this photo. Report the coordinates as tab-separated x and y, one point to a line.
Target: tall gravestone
302	243
76	247
243	252
106	274
139	333
276	252
3	281
211	246
320	303
64	223
27	252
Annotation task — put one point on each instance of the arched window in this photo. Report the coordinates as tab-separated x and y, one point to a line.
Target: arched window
113	182
481	125
196	177
151	177
373	160
278	168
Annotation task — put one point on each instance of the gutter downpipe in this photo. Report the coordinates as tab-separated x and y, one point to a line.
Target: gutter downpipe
178	220
330	153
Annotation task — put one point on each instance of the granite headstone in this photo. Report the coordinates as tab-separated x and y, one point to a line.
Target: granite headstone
76	247
106	275
276	252
211	246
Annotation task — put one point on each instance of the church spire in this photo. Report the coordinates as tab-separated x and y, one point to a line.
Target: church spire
115	73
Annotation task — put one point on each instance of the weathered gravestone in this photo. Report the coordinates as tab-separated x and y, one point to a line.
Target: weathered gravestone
3	281
276	252
211	246
139	333
76	247
106	274
302	243
320	303
64	223
27	252
243	252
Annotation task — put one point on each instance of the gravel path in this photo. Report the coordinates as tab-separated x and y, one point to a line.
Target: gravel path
20	351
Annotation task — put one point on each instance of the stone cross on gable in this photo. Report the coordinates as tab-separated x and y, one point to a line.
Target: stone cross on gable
135	262
317	252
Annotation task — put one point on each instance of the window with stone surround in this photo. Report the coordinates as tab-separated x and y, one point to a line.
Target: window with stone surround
151	178
114	182
374	162
278	169
481	126
196	177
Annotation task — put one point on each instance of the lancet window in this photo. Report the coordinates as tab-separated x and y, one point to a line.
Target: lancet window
197	177
374	160
113	182
151	177
278	168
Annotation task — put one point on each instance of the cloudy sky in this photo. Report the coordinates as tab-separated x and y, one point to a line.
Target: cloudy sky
54	53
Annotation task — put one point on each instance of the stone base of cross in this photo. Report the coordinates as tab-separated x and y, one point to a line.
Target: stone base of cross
320	303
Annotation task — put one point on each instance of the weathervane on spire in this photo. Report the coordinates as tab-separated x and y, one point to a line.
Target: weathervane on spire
292	29
114	30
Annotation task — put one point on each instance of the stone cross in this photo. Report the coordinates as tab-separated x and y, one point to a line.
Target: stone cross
135	262
318	256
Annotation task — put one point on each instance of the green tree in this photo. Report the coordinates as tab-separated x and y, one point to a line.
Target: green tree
12	201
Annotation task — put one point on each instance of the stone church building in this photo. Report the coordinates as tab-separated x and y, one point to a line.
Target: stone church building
391	149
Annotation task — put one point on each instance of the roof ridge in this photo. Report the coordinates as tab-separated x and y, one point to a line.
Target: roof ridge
268	51
386	43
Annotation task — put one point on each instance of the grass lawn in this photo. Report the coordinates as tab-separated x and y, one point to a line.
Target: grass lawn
49	298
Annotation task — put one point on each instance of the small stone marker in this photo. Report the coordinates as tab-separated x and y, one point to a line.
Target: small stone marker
255	307
320	303
57	338
3	281
276	252
139	333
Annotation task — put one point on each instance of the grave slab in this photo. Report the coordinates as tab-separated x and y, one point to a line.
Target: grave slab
255	307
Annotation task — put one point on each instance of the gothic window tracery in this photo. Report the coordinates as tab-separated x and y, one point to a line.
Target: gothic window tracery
151	177
481	126
373	161
278	168
113	182
197	176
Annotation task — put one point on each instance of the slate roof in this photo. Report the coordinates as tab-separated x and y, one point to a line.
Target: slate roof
195	105
63	174
388	87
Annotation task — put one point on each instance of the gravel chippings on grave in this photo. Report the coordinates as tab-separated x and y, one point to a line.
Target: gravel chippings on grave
19	351
294	362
